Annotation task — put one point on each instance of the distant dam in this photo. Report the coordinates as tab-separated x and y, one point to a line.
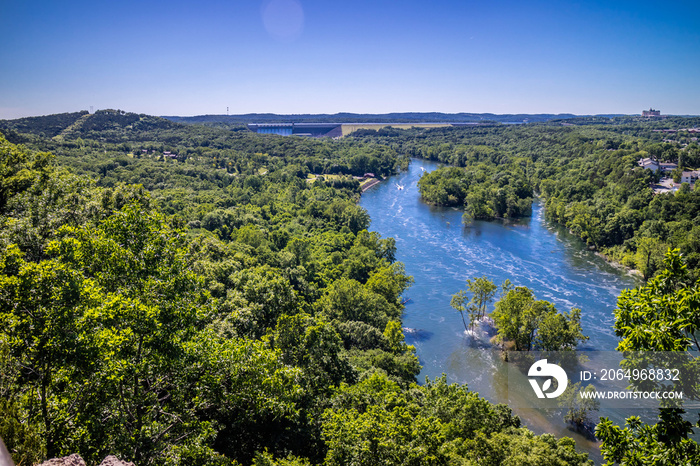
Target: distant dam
336	130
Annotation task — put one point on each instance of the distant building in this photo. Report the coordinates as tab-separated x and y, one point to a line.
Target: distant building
668	166
652	165
690	177
651	113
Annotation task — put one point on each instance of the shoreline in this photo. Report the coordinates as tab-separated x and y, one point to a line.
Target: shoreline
634	272
374	182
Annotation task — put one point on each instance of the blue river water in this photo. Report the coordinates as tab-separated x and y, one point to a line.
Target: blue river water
441	252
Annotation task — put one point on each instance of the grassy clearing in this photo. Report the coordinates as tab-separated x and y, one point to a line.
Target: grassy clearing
347	129
311	177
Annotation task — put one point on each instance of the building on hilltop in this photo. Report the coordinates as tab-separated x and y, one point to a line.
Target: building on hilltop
652	165
651	113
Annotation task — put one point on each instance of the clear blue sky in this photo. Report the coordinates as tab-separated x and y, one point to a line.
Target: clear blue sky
180	57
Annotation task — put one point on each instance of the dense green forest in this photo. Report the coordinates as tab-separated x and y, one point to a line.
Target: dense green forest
176	294
586	175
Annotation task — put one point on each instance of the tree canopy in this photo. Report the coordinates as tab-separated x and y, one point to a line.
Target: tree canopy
188	295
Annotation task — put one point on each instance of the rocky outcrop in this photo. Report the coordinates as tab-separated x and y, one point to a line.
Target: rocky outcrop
72	460
114	461
76	460
5	458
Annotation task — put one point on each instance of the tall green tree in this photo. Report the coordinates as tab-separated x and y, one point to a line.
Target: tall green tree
42	307
516	317
461	304
483	291
650	255
560	331
661	316
664	314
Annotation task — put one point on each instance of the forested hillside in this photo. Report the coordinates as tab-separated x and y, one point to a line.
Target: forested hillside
184	295
586	175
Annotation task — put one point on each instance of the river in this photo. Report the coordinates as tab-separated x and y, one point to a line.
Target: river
441	252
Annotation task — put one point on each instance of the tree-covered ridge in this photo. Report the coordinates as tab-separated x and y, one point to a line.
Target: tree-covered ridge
224	310
47	126
588	177
404	117
101	125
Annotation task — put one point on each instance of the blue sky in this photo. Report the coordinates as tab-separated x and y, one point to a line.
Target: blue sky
182	57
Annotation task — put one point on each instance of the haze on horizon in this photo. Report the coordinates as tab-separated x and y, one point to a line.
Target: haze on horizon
184	58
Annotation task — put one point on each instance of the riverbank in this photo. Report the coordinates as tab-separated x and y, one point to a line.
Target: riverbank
630	271
369	184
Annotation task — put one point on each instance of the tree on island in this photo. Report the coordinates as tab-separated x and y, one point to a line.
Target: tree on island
460	303
532	324
482	290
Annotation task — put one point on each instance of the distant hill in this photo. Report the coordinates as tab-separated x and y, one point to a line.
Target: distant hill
109	125
48	126
119	126
409	117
